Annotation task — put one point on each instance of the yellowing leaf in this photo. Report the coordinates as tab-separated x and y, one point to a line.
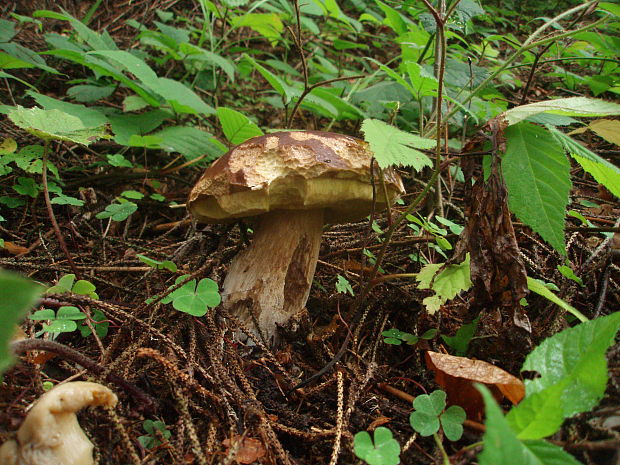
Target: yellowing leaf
608	129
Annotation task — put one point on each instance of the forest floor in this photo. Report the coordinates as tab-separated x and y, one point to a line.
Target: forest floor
222	401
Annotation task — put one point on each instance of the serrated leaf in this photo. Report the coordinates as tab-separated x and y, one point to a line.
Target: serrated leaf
575	358
537	178
452	280
393	147
343	285
570	106
501	446
236	126
54	125
90	117
603	171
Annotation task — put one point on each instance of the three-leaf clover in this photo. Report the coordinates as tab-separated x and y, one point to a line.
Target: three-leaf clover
429	413
193	298
397	337
68	284
63	321
384	451
154	429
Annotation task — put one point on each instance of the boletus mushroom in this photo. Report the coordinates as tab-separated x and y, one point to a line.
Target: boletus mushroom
51	434
289	184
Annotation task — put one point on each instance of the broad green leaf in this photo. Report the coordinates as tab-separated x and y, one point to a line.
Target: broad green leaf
281	87
501	445
603	171
391	146
84	287
190	141
575	358
537	286
62	199
54	125
181	98
17	296
269	25
125	126
118	211
570	106
539	414
43	314
90	93
446	284
200	55
129	62
119	161
90	117
460	341
423	83
236	126
537	178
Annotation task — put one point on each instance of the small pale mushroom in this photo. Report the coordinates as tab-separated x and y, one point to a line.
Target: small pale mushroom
289	184
51	434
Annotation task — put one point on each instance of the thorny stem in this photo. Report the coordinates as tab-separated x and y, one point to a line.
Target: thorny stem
67	353
50	211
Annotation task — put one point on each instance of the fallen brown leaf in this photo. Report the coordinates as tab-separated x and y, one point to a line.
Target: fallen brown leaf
457	376
250	449
14	249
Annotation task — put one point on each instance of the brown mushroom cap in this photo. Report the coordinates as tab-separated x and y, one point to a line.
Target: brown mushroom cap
298	170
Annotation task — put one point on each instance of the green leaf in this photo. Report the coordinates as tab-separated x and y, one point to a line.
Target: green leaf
423	84
89	117
603	171
131	194
189	141
391	146
54	125
43	314
62	199
181	98
194	299
570	106
452	280
118	211
460	341
425	418
269	25
60	326
281	87
100	323
501	445
576	359
17	296
64	285
538	181
200	55
539	287
166	264
26	186
569	273
90	93
125	126
343	285
384	451
452	422
70	313
119	161
83	287
236	126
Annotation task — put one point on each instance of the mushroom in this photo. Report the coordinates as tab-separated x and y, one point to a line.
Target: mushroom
51	434
290	184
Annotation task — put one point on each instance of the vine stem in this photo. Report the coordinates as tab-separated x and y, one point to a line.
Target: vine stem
50	210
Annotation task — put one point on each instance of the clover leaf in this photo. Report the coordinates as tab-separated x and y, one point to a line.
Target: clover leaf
429	414
384	451
193	298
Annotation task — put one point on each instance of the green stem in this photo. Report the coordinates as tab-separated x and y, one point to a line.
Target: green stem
444	454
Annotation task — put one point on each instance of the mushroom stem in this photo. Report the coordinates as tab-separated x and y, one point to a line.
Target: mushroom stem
269	282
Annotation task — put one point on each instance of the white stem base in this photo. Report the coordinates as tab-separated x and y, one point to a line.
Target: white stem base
269	282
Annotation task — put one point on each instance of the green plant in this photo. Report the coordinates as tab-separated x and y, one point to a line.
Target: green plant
397	337
158	265
17	295
67	283
430	414
156	432
384	450
460	341
61	321
193	298
572	370
343	285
